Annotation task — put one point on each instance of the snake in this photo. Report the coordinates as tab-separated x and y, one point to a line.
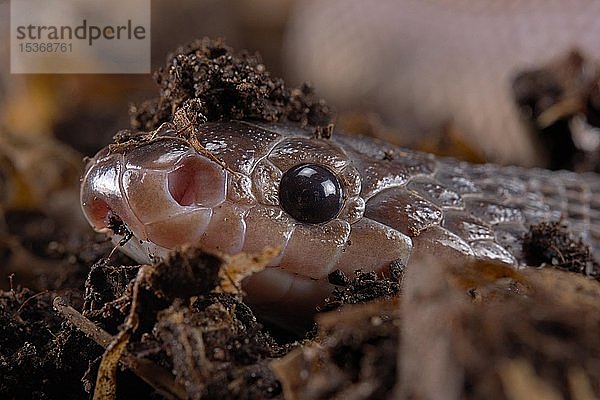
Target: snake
346	202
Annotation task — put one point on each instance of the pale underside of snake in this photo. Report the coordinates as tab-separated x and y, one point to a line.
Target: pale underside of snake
372	204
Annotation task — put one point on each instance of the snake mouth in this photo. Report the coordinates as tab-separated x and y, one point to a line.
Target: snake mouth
99	213
105	220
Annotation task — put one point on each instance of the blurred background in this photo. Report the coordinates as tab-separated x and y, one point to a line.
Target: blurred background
511	82
406	69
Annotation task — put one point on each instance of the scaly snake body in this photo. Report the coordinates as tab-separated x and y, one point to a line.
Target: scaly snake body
397	203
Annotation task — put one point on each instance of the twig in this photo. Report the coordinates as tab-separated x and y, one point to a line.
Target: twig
156	376
11	277
26	301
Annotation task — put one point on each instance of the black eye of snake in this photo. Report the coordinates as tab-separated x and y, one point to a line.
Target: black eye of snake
310	193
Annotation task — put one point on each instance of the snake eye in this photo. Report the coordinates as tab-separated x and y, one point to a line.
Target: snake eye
310	193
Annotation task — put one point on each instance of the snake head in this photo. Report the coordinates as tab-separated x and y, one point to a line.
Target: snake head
245	187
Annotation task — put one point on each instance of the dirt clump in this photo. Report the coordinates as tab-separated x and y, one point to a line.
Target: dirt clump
228	86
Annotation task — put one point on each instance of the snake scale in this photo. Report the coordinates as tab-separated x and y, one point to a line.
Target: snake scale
392	203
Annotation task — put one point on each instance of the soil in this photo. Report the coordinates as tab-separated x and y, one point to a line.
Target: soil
552	244
227	86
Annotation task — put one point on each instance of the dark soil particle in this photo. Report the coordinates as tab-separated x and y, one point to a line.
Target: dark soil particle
36	360
552	244
362	287
41	356
217	348
211	342
228	86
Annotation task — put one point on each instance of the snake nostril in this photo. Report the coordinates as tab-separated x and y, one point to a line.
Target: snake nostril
197	181
181	185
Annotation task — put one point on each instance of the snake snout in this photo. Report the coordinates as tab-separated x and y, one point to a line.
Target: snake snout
102	201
